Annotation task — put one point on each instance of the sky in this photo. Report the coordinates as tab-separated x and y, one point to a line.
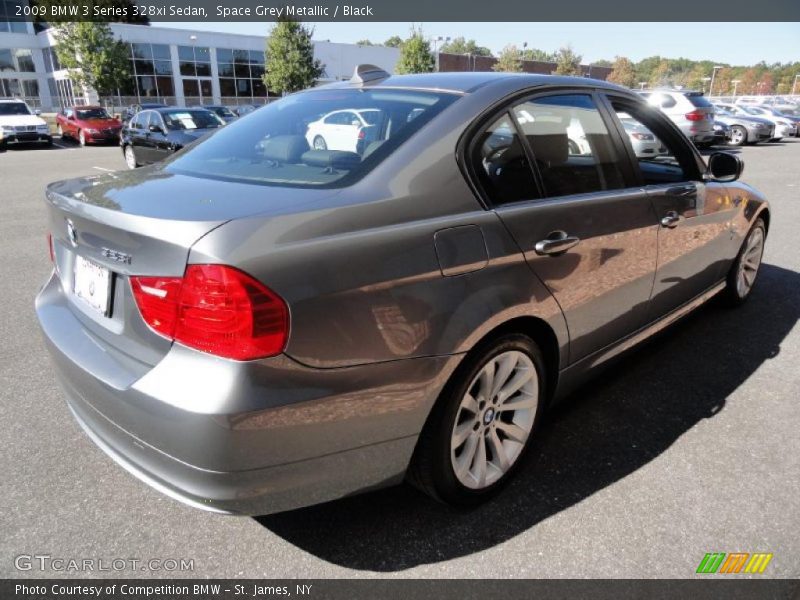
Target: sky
732	43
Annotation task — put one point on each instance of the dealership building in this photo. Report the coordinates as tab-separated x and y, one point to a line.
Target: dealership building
175	66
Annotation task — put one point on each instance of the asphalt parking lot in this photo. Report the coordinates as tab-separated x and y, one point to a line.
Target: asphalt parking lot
688	446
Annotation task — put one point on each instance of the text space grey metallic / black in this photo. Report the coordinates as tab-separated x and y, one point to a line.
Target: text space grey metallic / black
265	321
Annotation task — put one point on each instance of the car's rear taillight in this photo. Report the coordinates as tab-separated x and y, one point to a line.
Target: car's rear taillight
695	115
216	309
361	134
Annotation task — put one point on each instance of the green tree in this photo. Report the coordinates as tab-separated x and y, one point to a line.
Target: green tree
394	42
661	75
537	54
509	60
567	62
364	43
291	65
603	63
95	59
623	72
462	46
415	55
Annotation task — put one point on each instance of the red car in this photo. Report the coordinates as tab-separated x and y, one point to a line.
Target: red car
88	125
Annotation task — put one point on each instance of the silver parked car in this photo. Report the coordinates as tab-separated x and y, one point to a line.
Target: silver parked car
689	110
253	325
781	126
787	124
744	128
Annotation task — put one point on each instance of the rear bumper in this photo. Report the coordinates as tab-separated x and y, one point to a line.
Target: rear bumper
242	437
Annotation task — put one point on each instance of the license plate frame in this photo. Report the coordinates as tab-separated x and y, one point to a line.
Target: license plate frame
92	284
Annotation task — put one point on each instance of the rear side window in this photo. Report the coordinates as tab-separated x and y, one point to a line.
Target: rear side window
501	164
699	100
571	146
292	142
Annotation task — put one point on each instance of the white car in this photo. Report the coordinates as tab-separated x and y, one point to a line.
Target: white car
350	130
19	124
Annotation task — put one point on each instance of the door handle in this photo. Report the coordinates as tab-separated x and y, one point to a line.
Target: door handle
556	244
670	219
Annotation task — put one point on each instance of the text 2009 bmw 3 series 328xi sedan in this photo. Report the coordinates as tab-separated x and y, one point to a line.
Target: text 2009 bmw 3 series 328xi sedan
259	323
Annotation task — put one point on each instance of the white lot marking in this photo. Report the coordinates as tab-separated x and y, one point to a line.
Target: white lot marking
63	147
104	169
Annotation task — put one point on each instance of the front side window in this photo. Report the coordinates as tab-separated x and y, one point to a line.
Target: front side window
661	157
571	146
289	143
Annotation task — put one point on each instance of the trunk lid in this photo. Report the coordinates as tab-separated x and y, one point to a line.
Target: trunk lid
144	222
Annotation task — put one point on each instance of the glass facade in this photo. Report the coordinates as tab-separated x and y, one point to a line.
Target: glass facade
241	73
9	21
16	60
51	62
151	70
194	61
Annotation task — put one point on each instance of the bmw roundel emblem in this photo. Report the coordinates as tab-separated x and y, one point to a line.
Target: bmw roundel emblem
72	233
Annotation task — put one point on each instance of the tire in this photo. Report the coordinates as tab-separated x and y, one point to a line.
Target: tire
319	143
130	157
743	275
738	135
81	137
447	461
776	139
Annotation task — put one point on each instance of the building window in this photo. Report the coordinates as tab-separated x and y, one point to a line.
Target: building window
194	61
16	60
240	73
51	62
151	70
9	21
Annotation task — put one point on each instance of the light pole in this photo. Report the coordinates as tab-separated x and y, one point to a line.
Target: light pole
705	80
735	83
794	83
642	84
713	74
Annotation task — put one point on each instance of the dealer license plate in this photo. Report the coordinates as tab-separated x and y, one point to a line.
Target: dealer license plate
92	284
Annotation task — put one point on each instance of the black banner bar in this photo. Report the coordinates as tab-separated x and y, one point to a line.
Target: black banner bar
409	10
400	589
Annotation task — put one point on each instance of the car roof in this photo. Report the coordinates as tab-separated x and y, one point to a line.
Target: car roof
10	100
466	82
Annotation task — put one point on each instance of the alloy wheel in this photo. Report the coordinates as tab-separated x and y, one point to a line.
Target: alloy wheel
494	419
750	262
738	136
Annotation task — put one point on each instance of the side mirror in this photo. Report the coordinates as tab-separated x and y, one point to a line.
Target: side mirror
724	167
37	112
155	129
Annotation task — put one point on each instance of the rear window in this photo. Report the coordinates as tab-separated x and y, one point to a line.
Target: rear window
699	100
190	119
292	142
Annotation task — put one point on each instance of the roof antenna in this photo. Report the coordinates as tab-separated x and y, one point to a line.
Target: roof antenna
367	73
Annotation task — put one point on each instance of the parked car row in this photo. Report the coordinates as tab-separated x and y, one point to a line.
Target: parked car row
18	123
706	123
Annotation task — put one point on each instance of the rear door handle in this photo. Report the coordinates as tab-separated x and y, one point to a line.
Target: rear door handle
670	219
556	244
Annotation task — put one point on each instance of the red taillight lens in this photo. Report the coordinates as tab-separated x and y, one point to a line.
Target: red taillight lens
216	309
361	134
50	248
695	115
